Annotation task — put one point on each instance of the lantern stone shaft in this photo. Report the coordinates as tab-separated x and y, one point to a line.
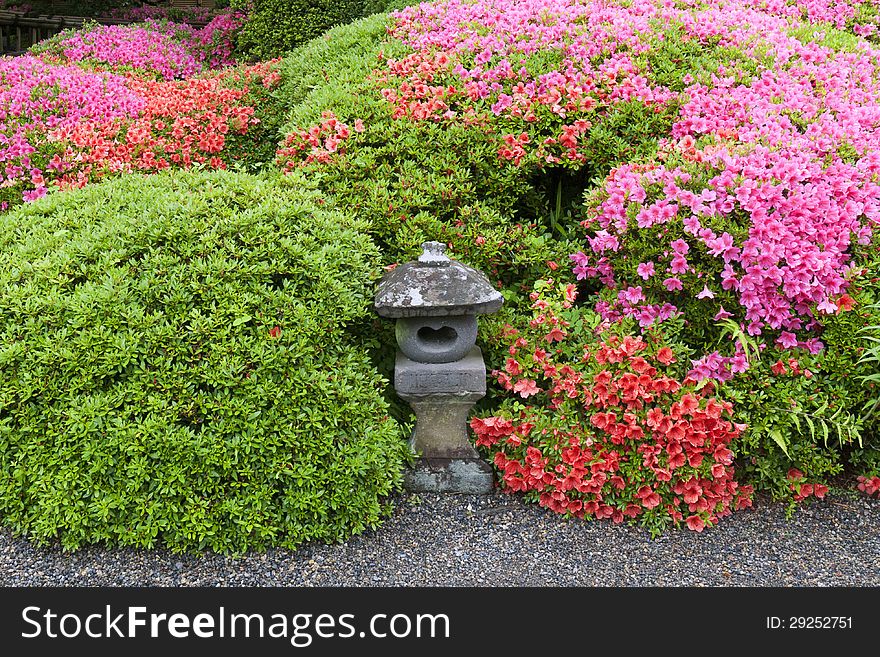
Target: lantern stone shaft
439	370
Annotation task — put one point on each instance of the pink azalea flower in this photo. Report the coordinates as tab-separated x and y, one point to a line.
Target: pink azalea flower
631	294
680	246
679	264
827	307
722	314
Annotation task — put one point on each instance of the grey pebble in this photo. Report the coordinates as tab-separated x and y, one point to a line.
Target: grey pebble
498	540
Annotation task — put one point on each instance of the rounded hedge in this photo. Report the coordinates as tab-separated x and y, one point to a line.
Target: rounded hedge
176	367
275	26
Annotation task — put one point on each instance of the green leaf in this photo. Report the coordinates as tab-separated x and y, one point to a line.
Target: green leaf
776	435
812	427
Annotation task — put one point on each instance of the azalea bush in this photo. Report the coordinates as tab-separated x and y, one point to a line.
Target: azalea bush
182	123
413	180
739	225
64	125
608	428
37	97
859	16
164	49
708	168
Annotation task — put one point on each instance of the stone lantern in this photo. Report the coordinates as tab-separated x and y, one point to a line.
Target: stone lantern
439	370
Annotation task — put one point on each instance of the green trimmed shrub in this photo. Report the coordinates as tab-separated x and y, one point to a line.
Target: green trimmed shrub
177	367
276	26
382	6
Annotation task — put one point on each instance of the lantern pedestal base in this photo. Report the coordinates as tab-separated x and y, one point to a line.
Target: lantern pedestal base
442	395
470	476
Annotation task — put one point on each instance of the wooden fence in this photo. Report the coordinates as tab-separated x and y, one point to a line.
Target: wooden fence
19	32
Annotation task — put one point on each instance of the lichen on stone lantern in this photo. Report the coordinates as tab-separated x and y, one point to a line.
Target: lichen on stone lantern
439	370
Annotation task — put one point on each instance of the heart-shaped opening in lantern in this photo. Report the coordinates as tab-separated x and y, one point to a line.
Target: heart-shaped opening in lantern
437	339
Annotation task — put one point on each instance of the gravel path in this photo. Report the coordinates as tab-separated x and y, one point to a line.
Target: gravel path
497	540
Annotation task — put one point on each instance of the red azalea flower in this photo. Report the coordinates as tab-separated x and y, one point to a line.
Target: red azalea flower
869	486
662	474
845	303
665	355
695	523
692	495
555	335
526	387
689	405
651	501
655	416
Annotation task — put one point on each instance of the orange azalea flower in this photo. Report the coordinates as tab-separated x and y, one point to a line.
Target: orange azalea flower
845	303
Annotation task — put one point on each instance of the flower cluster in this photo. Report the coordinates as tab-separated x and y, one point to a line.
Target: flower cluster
35	98
183	122
214	43
64	126
759	193
861	16
802	489
485	63
728	150
124	48
164	49
612	433
869	485
765	179
318	143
